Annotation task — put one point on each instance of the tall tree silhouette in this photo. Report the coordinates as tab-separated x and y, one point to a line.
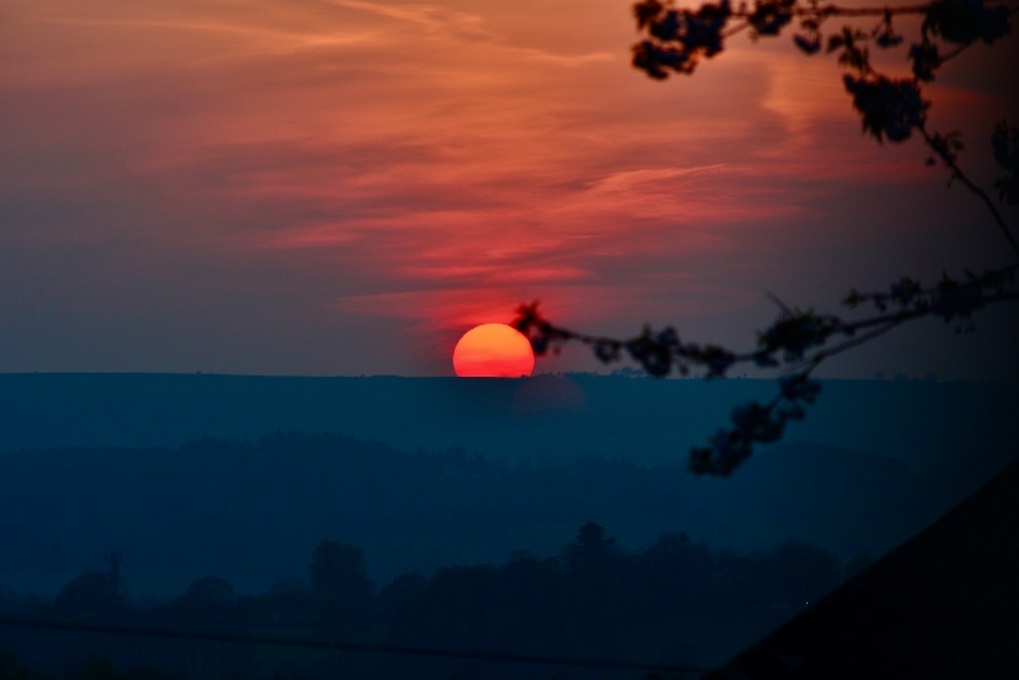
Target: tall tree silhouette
592	550
340	582
92	595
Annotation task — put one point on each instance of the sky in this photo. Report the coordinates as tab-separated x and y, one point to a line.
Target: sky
344	187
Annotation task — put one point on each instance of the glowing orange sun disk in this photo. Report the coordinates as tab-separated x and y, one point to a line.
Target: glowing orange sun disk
493	350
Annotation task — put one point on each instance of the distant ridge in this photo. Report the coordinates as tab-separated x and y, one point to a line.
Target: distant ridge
649	421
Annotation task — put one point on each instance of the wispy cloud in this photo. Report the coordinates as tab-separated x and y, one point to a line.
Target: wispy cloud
433	162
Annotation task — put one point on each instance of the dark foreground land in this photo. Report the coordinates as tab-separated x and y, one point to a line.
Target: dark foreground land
461	507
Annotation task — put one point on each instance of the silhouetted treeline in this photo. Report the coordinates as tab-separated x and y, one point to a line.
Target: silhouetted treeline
245	509
227	535
673	602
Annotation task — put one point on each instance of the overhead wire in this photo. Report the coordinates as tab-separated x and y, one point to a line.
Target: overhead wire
330	645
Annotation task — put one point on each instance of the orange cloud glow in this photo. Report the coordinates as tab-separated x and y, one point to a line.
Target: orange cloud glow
428	166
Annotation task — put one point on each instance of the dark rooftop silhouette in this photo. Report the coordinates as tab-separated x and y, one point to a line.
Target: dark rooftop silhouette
945	604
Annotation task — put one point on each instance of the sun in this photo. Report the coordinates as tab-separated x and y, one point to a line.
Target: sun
493	350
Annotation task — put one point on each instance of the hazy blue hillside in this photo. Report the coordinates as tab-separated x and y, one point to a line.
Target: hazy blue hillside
173	470
644	420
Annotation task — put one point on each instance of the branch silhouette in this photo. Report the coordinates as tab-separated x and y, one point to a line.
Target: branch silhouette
676	40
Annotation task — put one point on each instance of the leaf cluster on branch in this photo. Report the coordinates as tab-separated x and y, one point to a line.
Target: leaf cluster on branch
892	109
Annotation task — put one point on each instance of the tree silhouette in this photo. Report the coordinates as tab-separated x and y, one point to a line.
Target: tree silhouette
337	571
208	602
340	582
92	595
676	40
591	550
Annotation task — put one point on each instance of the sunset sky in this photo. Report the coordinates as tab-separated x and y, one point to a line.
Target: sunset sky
344	187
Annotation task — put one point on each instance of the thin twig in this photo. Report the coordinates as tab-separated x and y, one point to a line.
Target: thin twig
969	184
